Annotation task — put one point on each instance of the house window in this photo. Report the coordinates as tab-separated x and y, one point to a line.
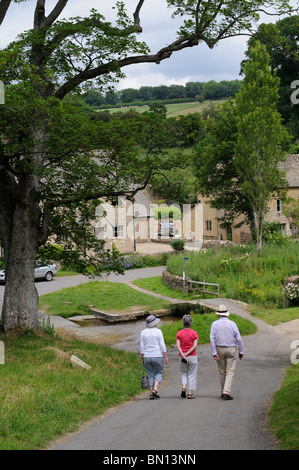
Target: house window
208	225
279	205
118	231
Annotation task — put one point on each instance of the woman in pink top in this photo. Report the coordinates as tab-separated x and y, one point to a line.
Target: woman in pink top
186	343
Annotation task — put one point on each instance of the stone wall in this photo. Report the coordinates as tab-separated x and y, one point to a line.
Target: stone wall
174	282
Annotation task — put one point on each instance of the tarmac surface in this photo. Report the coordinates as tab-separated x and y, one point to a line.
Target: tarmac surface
177	424
207	422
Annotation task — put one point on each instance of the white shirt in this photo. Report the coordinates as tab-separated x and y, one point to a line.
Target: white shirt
224	332
152	342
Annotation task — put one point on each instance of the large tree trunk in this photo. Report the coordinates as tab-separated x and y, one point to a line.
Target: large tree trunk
20	305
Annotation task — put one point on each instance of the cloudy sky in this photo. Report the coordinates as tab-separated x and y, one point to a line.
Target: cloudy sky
195	64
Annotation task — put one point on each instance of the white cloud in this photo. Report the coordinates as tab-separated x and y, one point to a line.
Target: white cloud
195	64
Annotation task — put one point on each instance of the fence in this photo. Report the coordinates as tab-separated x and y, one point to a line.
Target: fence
202	290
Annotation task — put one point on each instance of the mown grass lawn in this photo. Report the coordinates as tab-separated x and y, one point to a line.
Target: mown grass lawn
42	396
273	316
155	284
283	416
110	296
202	324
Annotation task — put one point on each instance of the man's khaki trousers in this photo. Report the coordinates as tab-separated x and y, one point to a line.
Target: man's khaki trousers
226	367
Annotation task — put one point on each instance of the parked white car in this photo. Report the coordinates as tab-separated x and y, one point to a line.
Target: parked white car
41	271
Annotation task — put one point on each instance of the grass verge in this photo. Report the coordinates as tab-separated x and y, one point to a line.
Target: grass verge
274	316
155	284
283	415
202	324
109	296
42	396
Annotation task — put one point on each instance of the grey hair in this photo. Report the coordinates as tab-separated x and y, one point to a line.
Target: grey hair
187	321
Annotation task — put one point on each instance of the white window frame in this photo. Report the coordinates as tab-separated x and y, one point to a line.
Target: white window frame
118	231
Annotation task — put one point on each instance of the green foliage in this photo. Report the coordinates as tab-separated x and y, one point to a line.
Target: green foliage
272	234
241	273
165	212
177	244
47	327
202	325
280	40
261	136
181	309
283	413
249	129
164	94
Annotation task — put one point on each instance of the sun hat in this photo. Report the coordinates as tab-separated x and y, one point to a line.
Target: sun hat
152	321
222	310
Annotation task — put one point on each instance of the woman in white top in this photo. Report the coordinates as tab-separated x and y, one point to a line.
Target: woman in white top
153	354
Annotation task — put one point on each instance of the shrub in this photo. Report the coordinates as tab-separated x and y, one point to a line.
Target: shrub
178	245
291	292
272	234
179	310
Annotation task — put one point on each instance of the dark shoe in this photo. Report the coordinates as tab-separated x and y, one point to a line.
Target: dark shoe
183	393
152	396
225	396
156	394
190	395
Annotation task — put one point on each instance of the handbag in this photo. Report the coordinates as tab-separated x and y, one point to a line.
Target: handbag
144	378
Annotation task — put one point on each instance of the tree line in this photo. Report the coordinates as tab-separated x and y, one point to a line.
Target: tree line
200	91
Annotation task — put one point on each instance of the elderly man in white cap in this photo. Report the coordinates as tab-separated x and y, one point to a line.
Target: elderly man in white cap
224	339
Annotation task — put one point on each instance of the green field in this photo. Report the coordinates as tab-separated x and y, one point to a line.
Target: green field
173	110
109	296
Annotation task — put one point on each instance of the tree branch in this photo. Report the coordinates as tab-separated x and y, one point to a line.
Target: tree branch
89	74
136	16
39	14
4	5
57	10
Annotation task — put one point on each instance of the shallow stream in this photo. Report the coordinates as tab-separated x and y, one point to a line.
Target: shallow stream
121	335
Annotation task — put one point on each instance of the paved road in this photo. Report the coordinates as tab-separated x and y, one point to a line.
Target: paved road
206	423
58	283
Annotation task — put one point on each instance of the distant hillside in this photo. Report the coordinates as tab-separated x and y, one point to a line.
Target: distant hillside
173	110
